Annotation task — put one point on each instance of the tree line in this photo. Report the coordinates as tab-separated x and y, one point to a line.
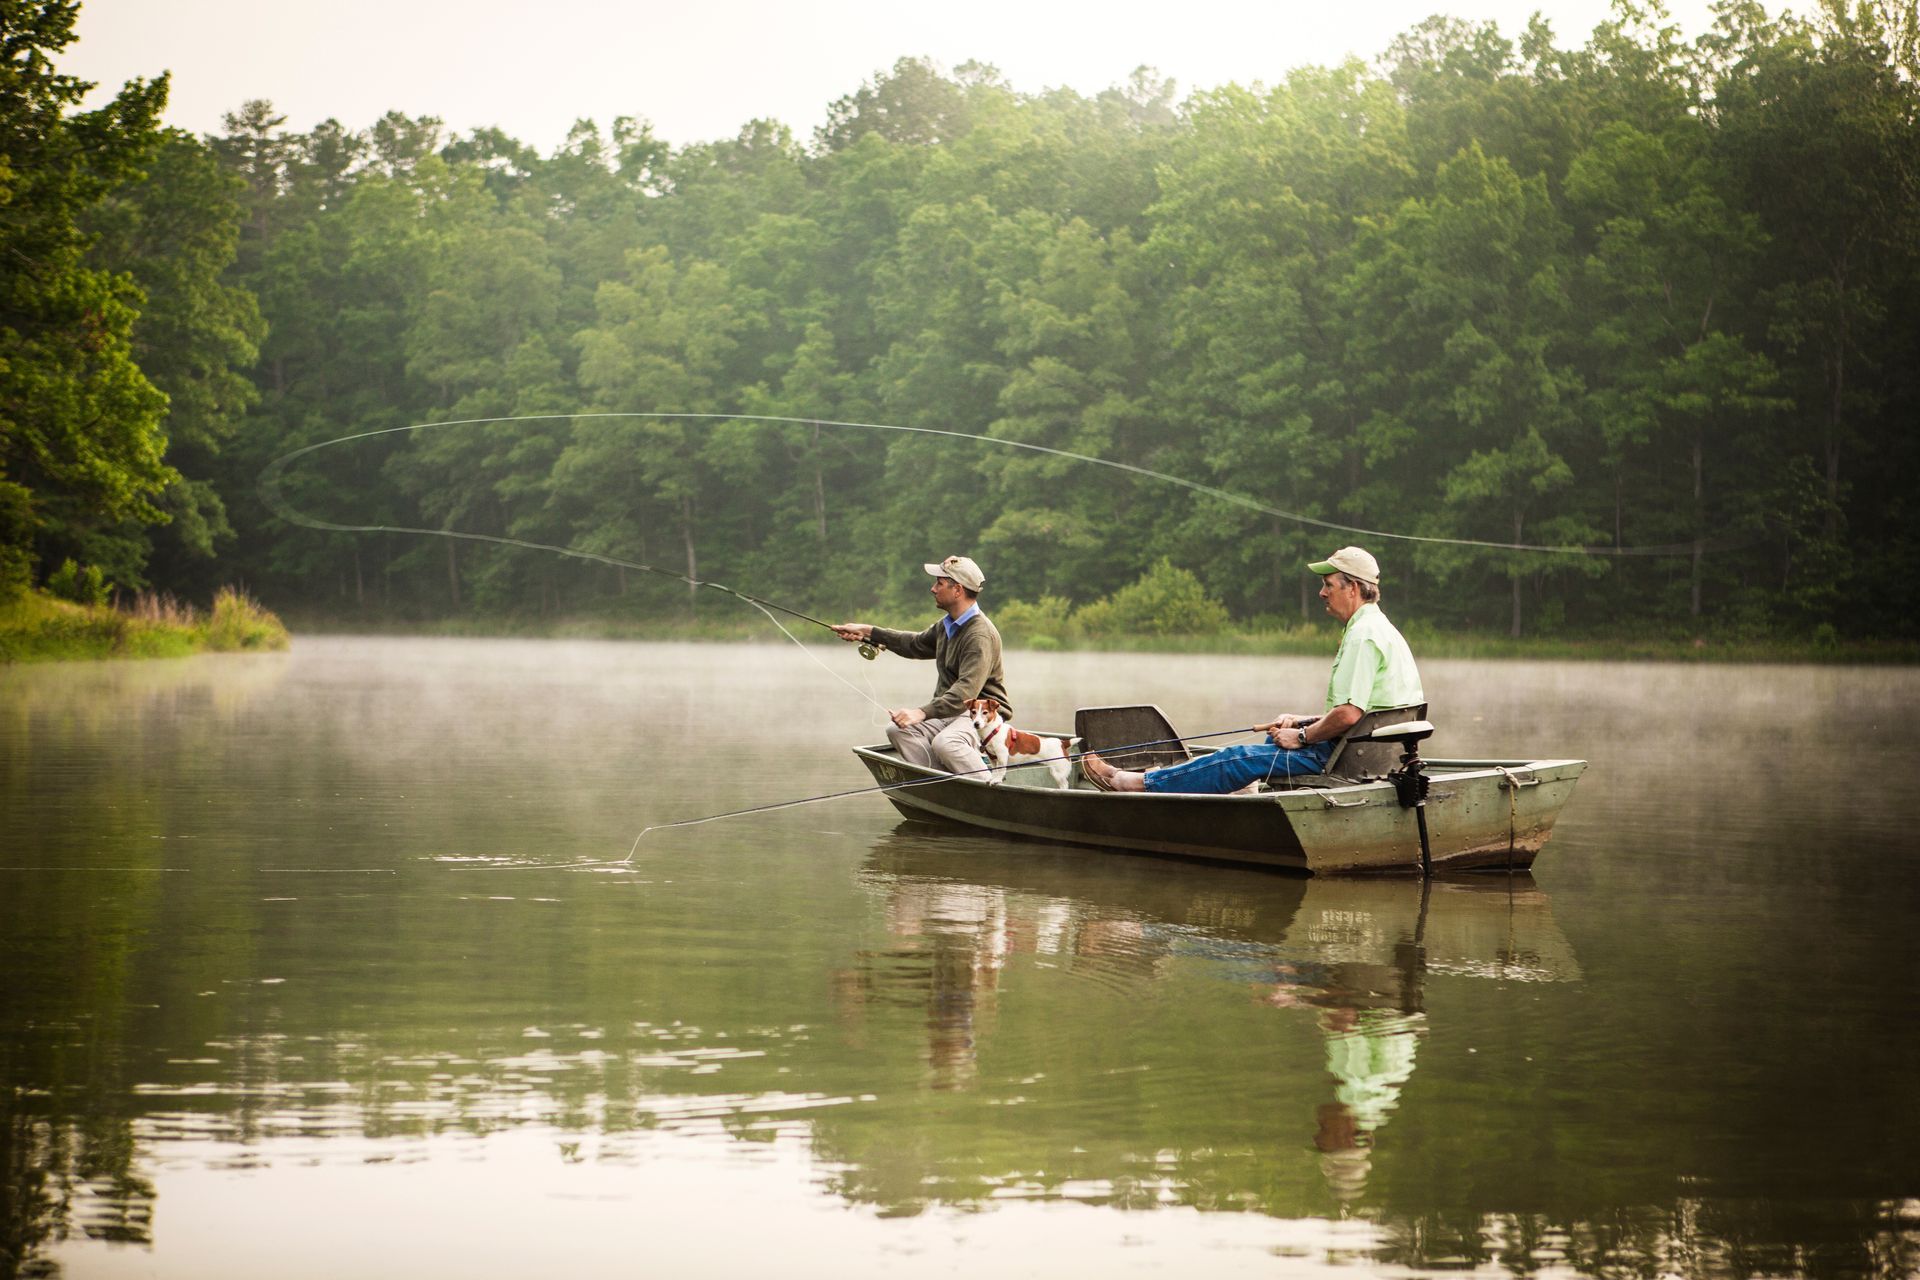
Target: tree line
1646	293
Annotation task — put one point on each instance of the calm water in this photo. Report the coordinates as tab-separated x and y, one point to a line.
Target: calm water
293	981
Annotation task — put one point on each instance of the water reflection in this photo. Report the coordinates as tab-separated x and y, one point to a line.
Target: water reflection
240	964
1365	978
1352	956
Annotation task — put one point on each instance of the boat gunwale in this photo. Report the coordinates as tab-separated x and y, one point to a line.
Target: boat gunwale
1439	768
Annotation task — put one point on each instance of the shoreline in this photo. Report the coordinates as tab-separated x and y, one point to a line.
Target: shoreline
37	627
1301	641
41	628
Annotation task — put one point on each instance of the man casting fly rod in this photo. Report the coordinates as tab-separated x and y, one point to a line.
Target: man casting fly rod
965	648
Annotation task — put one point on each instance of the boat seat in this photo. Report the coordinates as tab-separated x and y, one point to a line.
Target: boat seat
1148	737
1355	757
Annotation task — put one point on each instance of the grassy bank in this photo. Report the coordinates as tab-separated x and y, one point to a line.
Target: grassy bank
37	627
1305	640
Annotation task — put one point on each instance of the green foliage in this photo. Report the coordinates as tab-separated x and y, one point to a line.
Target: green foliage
80	421
86	586
38	626
1163	601
1622	292
1045	623
16	532
238	622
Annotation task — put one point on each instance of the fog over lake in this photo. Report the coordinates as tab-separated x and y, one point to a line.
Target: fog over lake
329	963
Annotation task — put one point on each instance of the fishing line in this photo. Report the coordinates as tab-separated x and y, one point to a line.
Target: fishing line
269	491
866	693
778	805
1283	751
270	494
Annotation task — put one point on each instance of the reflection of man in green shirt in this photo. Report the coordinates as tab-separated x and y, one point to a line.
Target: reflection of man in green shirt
1370	1053
1372	671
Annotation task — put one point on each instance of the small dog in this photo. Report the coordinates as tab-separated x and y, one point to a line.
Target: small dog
999	741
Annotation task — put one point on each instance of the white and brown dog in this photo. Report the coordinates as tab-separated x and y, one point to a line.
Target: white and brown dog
1000	741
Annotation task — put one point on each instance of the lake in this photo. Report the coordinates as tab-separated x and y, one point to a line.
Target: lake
348	961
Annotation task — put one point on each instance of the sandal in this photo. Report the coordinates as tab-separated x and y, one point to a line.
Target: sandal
1099	783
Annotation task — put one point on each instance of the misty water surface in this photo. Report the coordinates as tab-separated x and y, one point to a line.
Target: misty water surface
298	980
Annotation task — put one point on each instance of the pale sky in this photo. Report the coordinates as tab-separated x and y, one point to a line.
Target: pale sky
701	69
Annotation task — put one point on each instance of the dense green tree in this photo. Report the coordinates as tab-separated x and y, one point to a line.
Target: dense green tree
1463	319
913	104
1258	216
665	341
1818	129
197	338
1499	289
81	425
1070	329
1671	371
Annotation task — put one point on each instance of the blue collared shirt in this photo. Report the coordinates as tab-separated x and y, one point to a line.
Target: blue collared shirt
954	624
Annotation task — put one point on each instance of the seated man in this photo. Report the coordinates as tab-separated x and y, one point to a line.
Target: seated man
1372	671
965	648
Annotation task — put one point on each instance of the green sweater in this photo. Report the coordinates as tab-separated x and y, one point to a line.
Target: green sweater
964	668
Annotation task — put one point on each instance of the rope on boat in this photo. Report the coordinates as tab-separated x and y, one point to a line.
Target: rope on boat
1513	811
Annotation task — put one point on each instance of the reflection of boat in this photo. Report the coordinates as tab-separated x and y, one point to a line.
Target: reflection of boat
1247	906
1476	927
1356	956
1480	814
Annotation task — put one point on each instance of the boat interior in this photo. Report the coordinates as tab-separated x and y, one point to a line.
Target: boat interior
1141	737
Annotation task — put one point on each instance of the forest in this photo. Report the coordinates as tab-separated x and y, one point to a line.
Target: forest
1646	300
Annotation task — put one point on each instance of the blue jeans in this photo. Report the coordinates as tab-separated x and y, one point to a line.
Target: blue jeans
1231	768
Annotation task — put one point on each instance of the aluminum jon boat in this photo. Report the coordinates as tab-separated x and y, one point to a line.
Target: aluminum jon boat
1353	819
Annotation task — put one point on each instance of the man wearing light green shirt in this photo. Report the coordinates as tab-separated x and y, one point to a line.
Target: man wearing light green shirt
1372	671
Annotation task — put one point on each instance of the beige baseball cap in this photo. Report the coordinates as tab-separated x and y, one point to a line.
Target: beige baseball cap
1351	561
961	570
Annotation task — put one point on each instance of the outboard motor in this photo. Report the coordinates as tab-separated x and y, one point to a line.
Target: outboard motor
1410	781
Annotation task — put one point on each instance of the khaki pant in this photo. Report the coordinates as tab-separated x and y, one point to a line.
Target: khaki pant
952	744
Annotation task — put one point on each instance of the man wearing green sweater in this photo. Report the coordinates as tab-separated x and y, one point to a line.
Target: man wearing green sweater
965	649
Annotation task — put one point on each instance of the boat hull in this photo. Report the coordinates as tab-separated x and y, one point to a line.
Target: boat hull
1481	815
